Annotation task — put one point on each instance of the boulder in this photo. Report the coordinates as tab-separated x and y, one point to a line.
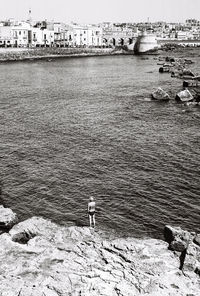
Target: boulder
7	218
185	244
164	69
178	245
191	260
191	83
170	233
197	239
188	73
160	95
177	238
184	96
170	59
23	237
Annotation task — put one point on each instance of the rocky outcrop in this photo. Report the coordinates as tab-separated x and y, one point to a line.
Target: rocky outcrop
188	247
7	218
160	94
63	261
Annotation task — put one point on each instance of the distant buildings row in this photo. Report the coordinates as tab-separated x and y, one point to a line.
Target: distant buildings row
49	34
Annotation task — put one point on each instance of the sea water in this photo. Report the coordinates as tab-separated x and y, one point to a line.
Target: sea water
72	128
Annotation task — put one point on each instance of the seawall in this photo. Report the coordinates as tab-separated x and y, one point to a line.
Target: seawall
29	54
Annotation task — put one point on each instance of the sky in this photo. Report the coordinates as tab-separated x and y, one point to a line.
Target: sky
95	11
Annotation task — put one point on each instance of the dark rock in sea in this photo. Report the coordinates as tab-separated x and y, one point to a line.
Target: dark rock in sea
7	218
164	69
170	59
191	83
184	96
187	61
160	95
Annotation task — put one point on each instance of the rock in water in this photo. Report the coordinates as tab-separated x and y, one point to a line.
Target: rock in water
188	73
184	96
160	95
7	218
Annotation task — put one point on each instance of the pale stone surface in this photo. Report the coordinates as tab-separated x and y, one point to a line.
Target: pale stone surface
74	261
184	96
7	218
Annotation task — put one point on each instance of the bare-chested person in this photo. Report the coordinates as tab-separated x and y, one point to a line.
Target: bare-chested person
91	211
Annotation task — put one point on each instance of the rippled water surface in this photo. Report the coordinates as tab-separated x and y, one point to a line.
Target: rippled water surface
72	128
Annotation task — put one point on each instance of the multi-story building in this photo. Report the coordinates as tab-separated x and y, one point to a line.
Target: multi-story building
86	35
6	36
21	34
42	35
15	34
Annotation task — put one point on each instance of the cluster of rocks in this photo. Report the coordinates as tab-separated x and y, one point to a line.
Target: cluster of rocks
177	68
184	96
40	258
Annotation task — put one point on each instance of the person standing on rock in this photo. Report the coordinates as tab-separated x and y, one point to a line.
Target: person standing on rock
91	211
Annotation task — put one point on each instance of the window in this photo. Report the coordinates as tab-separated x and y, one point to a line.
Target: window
20	32
34	35
45	36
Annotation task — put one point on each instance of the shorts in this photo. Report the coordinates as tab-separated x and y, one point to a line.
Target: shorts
91	213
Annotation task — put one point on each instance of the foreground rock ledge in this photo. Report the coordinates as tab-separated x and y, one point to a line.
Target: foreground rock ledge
40	258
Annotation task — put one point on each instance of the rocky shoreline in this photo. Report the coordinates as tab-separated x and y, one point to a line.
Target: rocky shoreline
41	258
31	54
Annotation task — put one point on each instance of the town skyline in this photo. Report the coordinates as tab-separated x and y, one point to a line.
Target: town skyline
91	12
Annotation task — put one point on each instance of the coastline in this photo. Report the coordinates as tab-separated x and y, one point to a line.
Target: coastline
39	257
30	54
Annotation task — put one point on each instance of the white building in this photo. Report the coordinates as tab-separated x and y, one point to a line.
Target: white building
21	34
6	36
42	37
87	35
16	34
